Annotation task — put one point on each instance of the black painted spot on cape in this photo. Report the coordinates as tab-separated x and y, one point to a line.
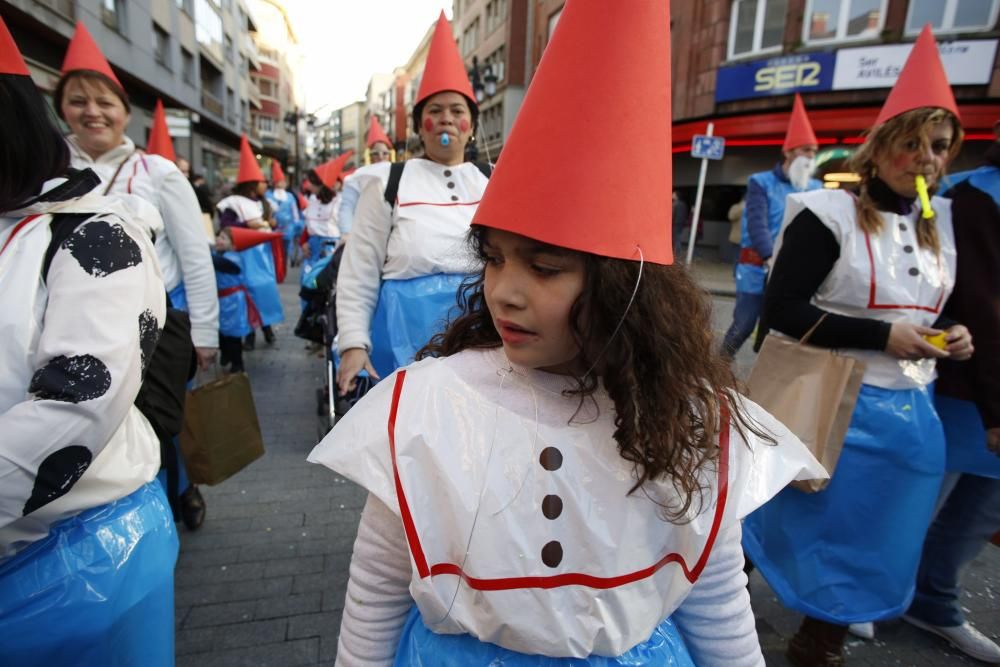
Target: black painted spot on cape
57	475
101	248
71	379
149	334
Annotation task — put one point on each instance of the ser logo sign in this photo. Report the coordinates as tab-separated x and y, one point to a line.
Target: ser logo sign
788	77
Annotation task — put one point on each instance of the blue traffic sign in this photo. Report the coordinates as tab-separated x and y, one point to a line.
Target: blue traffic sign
706	147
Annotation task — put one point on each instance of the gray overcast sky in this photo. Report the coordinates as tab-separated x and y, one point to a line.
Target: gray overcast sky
344	42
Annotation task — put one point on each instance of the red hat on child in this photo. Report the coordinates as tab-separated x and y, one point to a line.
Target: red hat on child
922	83
607	201
11	61
244	238
444	69
84	54
376	134
159	136
800	130
276	173
249	169
330	172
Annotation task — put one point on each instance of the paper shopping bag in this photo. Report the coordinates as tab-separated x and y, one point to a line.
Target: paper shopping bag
221	435
812	391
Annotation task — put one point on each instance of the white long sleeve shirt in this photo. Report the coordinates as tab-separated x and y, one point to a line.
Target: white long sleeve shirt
182	249
76	341
424	233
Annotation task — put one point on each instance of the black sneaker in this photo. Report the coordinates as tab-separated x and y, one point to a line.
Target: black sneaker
250	340
269	336
192	508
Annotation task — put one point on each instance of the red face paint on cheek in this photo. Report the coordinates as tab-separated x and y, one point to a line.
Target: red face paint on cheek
428	125
463	126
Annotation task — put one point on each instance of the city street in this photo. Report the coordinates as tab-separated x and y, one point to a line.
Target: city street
263	581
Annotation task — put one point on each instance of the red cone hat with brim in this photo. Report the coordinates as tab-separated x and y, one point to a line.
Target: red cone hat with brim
159	136
605	77
244	238
800	130
276	173
444	69
922	83
11	61
249	169
376	133
84	54
330	172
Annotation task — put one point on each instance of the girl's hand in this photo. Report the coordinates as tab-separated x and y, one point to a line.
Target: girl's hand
352	363
959	343
906	341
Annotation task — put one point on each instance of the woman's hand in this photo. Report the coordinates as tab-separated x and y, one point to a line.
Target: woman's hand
351	363
959	343
906	341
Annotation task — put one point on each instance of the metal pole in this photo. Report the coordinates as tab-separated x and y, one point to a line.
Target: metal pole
298	165
696	217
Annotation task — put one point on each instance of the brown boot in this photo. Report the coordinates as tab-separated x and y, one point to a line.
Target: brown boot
817	644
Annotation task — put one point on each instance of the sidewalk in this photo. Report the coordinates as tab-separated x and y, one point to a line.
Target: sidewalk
263	581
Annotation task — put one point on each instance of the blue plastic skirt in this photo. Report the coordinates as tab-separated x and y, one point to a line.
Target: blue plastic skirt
234	317
849	554
178	297
408	314
259	274
419	647
97	591
966	436
321	246
750	278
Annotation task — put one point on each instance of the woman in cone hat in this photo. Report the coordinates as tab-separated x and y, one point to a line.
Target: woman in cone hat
378	157
96	107
245	209
877	267
87	541
562	480
407	255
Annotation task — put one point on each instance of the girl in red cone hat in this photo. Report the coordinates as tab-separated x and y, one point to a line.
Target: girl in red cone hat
877	267
560	479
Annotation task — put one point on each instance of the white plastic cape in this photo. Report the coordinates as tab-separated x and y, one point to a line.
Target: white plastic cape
485	454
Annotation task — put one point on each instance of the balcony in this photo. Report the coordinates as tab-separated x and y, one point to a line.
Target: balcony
250	51
212	104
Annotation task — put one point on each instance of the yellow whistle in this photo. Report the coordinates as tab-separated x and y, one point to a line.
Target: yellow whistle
937	340
925	200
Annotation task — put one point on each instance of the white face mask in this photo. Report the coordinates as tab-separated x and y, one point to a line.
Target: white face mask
800	171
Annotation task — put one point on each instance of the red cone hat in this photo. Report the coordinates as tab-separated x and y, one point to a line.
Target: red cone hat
922	83
444	69
800	130
276	173
330	172
607	200
83	53
244	238
11	61
376	133
249	169
159	136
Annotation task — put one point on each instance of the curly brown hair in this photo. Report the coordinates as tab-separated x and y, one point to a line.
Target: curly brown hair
663	369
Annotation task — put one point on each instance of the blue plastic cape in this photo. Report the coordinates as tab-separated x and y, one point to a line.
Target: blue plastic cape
849	554
259	274
234	318
419	647
966	437
97	591
408	314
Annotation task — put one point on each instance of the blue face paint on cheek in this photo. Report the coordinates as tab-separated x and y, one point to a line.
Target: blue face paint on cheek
445	139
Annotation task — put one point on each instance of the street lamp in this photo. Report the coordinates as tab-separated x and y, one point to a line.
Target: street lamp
292	119
484	86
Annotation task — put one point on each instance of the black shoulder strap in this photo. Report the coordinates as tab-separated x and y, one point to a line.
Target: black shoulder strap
392	185
485	167
63	224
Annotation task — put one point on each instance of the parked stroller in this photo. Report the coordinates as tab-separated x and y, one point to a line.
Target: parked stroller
318	324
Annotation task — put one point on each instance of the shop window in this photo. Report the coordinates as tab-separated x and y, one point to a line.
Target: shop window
756	26
952	15
843	20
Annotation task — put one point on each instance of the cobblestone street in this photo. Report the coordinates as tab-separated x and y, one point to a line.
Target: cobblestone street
263	581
